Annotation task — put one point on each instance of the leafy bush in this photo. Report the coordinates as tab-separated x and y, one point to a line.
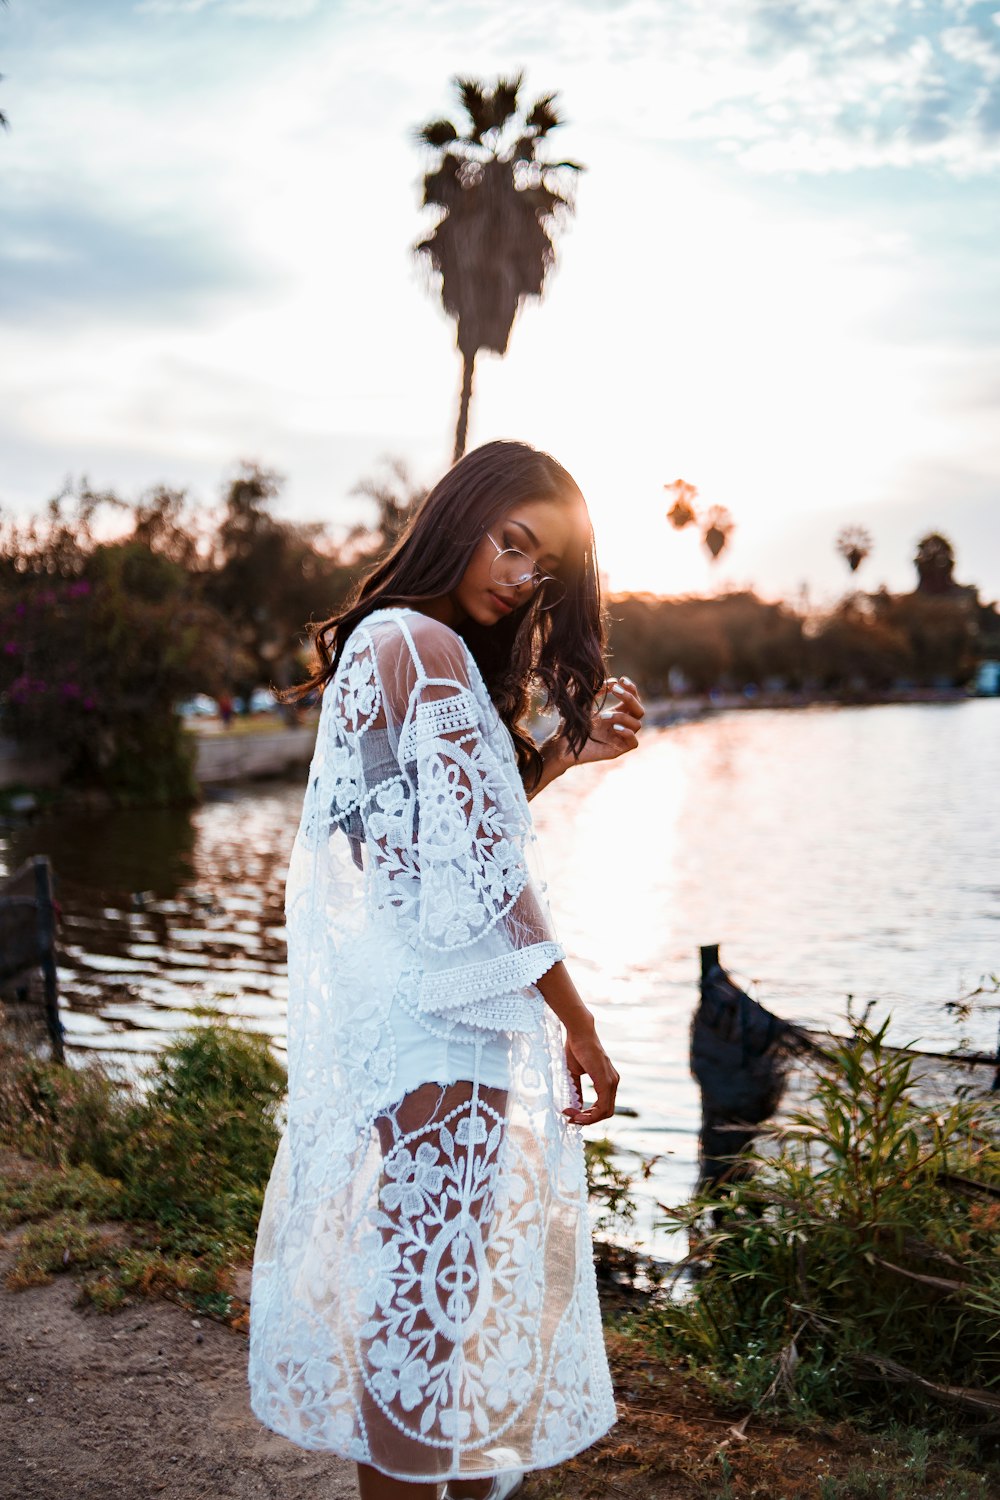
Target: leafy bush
64	1116
189	1152
199	1147
91	666
863	1249
102	635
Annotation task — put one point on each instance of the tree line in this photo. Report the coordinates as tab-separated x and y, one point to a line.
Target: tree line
111	612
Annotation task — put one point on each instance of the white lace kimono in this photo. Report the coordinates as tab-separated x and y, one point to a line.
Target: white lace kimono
423	1294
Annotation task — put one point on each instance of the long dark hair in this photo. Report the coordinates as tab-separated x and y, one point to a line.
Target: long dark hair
562	648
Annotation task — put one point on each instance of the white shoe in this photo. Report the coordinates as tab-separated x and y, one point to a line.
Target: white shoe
507	1482
502	1486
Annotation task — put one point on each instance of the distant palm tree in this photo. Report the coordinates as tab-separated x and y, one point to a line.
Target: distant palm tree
682	513
854	544
492	245
719	527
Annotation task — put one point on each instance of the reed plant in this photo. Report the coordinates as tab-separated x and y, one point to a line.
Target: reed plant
856	1271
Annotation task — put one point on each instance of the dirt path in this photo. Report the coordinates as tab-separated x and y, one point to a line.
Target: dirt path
139	1404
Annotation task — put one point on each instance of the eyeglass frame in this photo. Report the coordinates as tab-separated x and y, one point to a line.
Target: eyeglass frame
536	574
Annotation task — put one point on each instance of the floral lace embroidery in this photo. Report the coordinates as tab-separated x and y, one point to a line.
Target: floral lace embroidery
423	1285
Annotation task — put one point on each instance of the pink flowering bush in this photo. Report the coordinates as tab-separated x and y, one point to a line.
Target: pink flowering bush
97	644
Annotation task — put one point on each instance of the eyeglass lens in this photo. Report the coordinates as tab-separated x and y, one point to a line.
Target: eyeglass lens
512	568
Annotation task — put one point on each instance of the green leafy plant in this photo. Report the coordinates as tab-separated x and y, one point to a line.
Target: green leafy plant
609	1185
861	1254
182	1156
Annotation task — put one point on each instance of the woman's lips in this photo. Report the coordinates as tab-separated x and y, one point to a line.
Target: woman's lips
505	604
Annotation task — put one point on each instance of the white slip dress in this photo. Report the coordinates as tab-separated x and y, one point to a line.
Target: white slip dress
423	1294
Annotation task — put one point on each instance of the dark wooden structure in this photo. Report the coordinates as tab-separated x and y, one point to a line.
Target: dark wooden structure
27	939
740	1054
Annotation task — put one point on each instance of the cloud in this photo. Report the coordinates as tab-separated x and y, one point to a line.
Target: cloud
267	10
861	84
169	157
807	86
66	260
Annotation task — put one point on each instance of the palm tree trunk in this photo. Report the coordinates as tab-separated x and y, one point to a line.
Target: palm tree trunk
462	430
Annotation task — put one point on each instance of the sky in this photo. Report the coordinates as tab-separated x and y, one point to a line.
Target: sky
781	282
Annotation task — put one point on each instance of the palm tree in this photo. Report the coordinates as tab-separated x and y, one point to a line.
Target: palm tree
719	527
716	523
682	513
499	202
854	544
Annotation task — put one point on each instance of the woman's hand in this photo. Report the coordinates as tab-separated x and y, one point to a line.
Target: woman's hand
615	727
585	1055
612	732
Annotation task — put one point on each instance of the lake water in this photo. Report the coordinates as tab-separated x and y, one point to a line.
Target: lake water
829	851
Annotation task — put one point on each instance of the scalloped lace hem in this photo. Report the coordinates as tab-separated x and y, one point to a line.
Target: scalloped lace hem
462	991
321	1442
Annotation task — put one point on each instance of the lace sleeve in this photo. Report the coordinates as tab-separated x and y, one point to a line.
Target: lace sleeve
483	928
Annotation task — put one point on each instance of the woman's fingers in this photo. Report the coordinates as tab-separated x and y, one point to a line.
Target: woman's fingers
599	1110
625	718
622	732
605	1078
622	718
588	1116
625	689
575	1072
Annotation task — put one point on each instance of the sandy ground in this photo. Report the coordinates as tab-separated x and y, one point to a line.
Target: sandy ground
141	1403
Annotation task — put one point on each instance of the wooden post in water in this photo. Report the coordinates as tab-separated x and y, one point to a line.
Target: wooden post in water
27	938
47	953
740	1054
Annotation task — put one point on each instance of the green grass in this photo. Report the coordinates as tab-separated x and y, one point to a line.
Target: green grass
182	1160
910	1464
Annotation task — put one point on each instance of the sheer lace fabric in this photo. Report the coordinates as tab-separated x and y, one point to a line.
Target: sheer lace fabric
423	1288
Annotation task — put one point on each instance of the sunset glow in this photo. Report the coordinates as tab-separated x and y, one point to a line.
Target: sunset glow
780	282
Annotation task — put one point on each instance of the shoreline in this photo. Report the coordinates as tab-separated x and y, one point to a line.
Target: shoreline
262	752
662	712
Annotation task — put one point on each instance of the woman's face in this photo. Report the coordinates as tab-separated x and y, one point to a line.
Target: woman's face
542	530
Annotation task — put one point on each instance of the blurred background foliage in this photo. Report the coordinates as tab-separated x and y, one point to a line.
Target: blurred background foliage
112	612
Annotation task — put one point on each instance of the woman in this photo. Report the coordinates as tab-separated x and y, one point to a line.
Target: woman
423	1295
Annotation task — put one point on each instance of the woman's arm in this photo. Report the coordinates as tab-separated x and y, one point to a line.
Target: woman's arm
584	1052
555	760
613	731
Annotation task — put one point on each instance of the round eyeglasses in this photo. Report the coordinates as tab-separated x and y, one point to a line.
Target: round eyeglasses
511	568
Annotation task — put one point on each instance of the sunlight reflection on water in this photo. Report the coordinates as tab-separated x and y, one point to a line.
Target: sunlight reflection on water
827	850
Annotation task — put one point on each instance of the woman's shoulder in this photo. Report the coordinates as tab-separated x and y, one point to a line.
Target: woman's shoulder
434	647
